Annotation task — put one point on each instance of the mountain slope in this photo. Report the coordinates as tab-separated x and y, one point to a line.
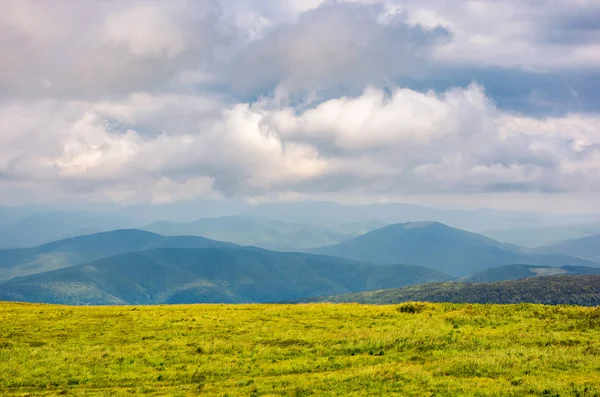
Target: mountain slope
431	244
544	236
586	247
79	250
259	232
515	272
330	213
41	228
227	275
553	290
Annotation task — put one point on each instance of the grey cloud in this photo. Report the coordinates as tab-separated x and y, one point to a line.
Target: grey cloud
456	142
336	44
572	25
214	106
89	49
529	92
523	187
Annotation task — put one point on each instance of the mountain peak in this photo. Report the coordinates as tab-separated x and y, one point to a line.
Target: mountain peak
415	225
438	246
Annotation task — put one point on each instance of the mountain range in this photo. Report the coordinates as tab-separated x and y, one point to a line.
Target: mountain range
139	267
477	220
552	290
36	229
516	272
224	275
83	249
260	232
544	236
435	245
32	225
586	247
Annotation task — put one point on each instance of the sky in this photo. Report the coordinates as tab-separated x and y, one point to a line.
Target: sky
449	103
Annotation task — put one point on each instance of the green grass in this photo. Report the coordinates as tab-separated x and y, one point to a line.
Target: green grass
300	350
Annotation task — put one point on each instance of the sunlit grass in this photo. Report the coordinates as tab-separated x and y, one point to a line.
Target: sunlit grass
318	349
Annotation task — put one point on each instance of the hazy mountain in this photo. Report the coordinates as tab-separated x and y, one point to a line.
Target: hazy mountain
515	272
431	244
543	236
259	232
357	228
209	275
78	250
477	220
330	215
41	228
553	290
13	214
586	247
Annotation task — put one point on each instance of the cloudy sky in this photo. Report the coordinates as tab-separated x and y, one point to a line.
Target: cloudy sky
480	103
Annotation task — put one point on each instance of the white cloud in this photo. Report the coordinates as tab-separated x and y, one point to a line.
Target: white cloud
146	100
146	31
88	49
378	144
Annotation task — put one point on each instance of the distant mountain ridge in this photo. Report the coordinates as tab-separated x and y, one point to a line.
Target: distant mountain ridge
441	247
42	228
218	275
586	247
260	232
551	290
82	249
477	220
535	237
516	272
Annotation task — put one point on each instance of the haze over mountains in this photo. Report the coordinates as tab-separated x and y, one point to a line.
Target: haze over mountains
260	232
475	220
456	252
29	226
227	258
586	247
78	250
226	275
40	228
544	236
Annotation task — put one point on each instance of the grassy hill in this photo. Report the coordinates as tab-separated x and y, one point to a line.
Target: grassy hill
78	250
571	290
515	272
224	275
431	244
586	247
259	232
299	350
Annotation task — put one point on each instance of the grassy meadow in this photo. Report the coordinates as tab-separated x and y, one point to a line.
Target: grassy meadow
300	350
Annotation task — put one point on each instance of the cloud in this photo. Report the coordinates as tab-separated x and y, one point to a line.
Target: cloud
402	142
134	101
89	49
105	50
412	142
335	44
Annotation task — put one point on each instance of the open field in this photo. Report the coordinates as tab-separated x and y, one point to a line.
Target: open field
300	350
